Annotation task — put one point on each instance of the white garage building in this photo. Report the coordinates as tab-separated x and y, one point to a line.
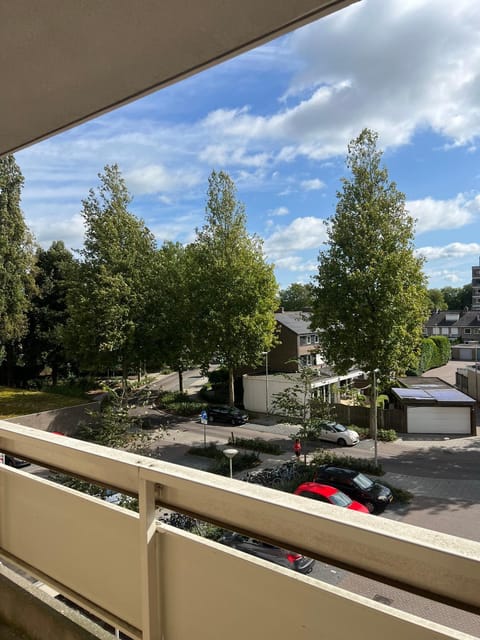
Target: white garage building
430	405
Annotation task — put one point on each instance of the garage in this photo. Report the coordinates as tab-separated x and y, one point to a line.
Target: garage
438	419
431	406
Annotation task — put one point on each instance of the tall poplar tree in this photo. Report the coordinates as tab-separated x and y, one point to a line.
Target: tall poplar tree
16	264
235	290
370	299
108	296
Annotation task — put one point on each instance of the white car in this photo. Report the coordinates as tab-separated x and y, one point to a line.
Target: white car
334	432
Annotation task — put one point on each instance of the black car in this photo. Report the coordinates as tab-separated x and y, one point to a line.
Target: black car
224	413
289	559
18	463
357	486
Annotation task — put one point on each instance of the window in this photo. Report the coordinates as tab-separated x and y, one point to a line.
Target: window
445	331
315	339
467	331
436	331
454	331
303	341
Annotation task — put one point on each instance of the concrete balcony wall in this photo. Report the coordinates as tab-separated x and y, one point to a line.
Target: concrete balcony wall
156	581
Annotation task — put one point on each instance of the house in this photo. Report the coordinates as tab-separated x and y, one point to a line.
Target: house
298	343
298	347
458	326
463	326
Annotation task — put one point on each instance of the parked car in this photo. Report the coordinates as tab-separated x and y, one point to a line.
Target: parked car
335	432
329	495
289	559
373	495
18	463
225	413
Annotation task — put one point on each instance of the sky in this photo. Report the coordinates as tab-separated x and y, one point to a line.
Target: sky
278	119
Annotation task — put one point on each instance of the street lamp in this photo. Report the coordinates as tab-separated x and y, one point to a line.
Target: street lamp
230	453
265	353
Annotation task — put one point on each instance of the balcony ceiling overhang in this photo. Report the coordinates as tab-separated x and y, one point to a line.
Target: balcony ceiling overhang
66	61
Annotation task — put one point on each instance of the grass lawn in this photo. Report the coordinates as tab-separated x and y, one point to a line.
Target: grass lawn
18	402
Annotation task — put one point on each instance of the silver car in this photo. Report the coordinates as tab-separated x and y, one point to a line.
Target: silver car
335	432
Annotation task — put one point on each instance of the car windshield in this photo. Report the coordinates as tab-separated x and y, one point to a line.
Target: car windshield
362	481
339	427
340	499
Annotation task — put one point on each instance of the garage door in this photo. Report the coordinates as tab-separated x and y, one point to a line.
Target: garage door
438	419
465	354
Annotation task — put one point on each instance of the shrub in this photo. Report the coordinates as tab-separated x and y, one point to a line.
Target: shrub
384	435
218	376
210	451
349	462
186	408
256	444
240	462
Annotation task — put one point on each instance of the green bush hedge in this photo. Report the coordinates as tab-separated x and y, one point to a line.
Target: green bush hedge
384	435
256	444
221	463
349	462
435	352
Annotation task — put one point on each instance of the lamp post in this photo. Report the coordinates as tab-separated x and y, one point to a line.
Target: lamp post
373	424
230	454
265	353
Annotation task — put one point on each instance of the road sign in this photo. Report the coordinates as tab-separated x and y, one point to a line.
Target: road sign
203	417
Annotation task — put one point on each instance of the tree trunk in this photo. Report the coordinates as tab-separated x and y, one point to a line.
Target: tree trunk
231	387
180	380
373	413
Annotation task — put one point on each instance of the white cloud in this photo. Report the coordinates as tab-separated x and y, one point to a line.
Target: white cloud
156	179
433	214
280	211
312	185
295	264
300	234
70	229
454	250
421	69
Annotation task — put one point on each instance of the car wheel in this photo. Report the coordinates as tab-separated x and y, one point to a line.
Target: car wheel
210	419
234	422
342	442
370	506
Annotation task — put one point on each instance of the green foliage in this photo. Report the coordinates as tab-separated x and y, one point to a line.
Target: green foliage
110	324
349	462
436	300
210	451
299	405
234	289
16	266
384	435
216	376
435	352
43	345
221	463
370	299
256	444
179	403
444	350
173	334
296	297
112	426
458	298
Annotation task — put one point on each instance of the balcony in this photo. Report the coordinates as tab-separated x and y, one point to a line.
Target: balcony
153	581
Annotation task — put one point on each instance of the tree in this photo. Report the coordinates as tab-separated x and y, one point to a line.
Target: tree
16	264
107	300
370	299
235	291
458	298
436	300
43	346
296	297
175	335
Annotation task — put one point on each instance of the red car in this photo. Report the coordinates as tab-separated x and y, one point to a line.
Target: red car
330	495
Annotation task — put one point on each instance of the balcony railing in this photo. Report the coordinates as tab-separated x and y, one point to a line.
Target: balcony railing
155	581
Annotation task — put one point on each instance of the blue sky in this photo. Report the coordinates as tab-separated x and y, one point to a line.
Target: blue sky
278	119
